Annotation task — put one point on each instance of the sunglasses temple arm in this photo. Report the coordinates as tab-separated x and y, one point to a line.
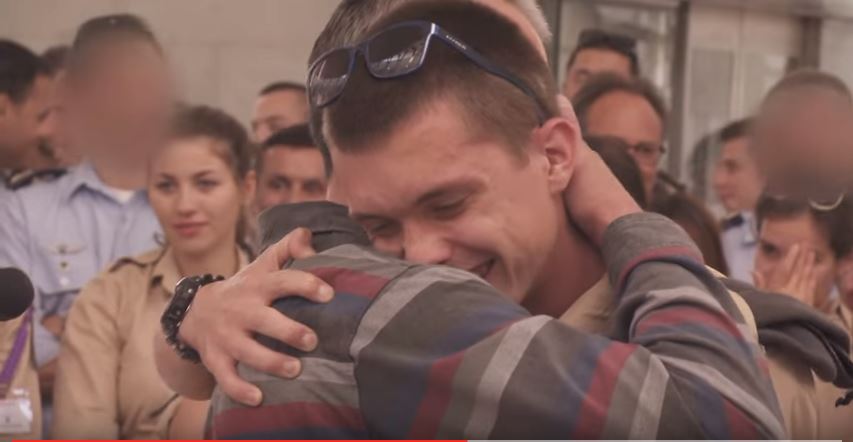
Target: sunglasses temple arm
500	72
493	69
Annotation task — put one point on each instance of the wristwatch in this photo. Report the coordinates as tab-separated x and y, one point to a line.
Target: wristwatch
177	309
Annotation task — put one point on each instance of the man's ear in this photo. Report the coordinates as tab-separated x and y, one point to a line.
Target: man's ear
557	141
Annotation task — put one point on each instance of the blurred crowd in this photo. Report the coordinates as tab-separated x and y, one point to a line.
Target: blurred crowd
114	189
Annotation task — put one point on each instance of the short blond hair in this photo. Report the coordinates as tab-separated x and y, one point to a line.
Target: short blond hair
534	14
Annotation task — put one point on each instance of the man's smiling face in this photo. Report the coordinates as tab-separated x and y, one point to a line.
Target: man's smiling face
434	191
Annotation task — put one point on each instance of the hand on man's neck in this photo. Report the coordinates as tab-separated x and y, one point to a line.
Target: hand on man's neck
574	266
594	198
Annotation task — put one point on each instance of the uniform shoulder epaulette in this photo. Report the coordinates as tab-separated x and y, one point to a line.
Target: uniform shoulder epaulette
139	261
23	178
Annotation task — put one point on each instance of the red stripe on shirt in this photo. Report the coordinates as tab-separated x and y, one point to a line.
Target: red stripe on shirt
688	315
593	413
237	421
435	402
740	427
655	255
351	281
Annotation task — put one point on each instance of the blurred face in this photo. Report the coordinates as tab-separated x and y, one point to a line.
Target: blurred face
589	62
291	175
278	110
434	192
121	100
779	234
632	119
195	195
737	181
803	138
24	124
844	280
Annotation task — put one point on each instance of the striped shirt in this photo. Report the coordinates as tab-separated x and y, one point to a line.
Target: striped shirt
413	351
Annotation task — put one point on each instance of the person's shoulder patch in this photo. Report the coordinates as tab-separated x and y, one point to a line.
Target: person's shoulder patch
139	261
732	221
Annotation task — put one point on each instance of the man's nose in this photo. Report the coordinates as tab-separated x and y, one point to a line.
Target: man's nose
299	195
425	245
718	180
186	201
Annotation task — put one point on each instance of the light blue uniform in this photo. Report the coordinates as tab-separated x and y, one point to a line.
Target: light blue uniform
63	232
740	242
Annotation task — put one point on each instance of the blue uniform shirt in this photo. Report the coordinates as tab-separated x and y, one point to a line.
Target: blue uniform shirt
63	232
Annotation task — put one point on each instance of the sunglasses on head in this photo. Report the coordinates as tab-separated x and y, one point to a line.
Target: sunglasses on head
397	51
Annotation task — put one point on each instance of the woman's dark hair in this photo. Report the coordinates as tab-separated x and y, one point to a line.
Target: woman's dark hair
614	152
693	217
836	223
205	121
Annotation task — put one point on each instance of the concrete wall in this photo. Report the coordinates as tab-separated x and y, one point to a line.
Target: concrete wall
836	47
223	51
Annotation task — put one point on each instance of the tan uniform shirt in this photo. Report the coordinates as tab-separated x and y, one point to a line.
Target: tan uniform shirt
802	397
107	383
26	376
842	315
835	422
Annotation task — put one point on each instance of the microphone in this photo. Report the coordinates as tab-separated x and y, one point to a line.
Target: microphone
16	293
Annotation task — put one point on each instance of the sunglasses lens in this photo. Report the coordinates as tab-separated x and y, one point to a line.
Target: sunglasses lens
397	51
327	79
